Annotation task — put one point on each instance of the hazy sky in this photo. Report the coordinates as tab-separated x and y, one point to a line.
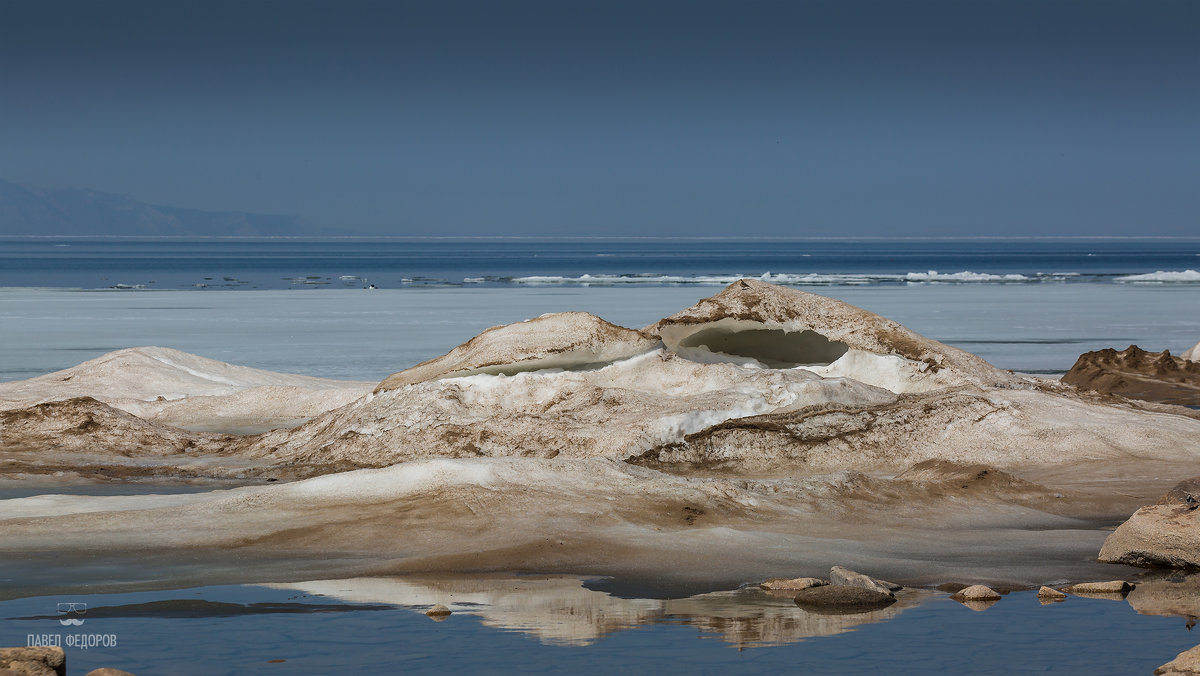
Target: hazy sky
608	117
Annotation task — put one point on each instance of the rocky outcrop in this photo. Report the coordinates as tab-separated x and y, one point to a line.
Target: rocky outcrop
1138	374
1186	663
1165	534
564	340
48	661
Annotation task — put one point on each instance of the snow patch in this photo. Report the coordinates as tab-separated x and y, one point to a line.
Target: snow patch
1162	277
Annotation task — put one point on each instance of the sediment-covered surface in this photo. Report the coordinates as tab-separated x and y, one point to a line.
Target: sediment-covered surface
1138	374
764	432
185	390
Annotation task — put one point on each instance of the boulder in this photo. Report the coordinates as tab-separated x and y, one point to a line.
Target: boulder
976	592
842	600
1166	534
849	578
438	611
794	584
35	661
1048	594
1186	663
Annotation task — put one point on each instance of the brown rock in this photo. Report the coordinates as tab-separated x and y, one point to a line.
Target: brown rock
1111	587
37	661
1049	594
842	600
438	611
794	584
977	592
849	578
1186	663
1166	534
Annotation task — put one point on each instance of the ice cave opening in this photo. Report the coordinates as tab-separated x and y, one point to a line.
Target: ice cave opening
773	348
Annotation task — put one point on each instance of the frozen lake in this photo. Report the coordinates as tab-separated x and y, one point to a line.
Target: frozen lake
366	335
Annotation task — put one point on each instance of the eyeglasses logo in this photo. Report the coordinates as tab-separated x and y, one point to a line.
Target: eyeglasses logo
72	612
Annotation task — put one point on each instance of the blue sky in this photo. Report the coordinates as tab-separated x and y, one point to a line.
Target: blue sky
573	117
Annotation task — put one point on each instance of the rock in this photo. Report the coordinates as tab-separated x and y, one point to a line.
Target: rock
108	671
1138	374
1166	534
794	584
1186	663
892	586
842	600
849	578
1050	594
37	661
438	611
1111	587
976	592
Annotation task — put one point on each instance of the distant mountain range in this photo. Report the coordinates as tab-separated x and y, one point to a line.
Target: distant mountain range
72	211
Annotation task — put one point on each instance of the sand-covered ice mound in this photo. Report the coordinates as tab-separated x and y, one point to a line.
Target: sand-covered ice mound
1138	374
564	340
762	432
175	388
757	378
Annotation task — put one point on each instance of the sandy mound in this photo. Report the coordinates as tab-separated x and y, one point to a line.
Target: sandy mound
185	390
592	516
1005	428
1137	374
564	340
782	327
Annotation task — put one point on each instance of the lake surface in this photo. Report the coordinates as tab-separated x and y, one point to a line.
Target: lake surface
209	264
549	624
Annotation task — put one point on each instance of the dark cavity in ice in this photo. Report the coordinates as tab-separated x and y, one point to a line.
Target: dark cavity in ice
774	348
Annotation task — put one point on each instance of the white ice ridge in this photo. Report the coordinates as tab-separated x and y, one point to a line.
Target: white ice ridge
1193	353
1162	277
787	279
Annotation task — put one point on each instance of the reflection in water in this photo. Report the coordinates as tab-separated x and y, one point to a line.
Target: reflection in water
1172	595
559	610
